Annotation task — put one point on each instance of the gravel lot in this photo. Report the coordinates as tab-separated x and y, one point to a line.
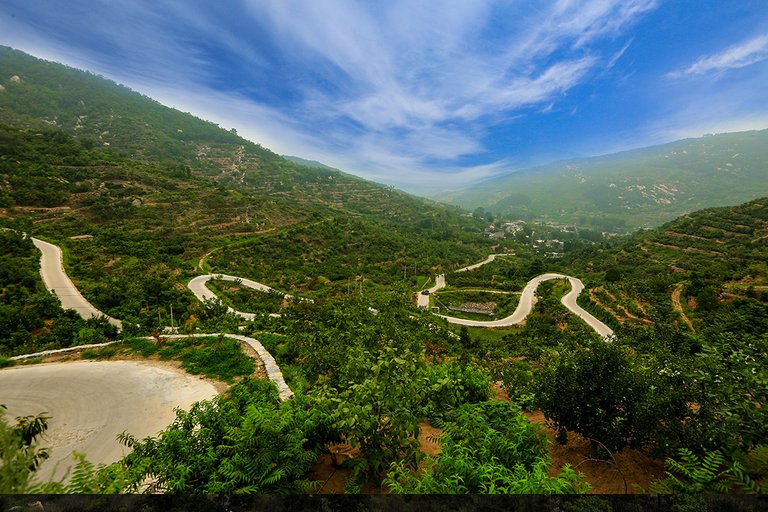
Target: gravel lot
91	402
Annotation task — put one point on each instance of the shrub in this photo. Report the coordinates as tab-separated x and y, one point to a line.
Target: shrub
486	448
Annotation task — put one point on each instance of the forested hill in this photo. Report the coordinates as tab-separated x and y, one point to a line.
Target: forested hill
704	268
38	95
142	198
640	188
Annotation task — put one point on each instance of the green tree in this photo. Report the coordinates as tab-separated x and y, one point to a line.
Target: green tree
19	454
240	443
377	408
606	395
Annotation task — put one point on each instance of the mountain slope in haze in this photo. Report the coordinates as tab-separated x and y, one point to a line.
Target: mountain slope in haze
37	94
308	163
640	188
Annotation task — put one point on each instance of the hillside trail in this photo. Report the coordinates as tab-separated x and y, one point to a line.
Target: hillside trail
678	306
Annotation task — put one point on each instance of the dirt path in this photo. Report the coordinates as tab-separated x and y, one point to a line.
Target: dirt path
679	307
204	257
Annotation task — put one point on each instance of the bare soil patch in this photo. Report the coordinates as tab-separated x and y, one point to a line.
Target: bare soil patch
632	471
679	307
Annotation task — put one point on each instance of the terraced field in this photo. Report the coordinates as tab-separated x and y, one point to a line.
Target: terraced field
685	268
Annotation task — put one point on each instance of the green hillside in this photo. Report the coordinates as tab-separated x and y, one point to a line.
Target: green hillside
640	188
153	196
142	198
692	272
40	95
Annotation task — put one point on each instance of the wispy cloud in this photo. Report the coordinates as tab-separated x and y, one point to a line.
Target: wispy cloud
616	56
404	89
740	55
426	81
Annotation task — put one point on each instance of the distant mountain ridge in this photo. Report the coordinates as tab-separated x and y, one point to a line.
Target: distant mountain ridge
308	163
637	188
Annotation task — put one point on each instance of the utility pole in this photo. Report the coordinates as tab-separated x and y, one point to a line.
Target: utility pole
172	318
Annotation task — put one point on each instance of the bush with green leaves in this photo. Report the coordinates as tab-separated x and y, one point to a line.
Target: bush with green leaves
244	442
377	408
488	447
715	472
611	397
85	478
729	381
517	379
19	455
451	385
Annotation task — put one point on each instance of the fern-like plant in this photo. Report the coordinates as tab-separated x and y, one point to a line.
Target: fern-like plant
694	474
714	472
487	448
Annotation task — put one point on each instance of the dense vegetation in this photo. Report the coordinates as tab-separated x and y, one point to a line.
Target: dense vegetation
136	222
31	319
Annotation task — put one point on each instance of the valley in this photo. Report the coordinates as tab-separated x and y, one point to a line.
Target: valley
337	313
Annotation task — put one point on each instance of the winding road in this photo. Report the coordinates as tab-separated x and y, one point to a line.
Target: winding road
527	301
525	306
91	402
200	290
58	282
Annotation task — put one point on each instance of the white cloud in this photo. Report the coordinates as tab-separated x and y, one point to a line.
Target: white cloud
738	56
404	88
424	81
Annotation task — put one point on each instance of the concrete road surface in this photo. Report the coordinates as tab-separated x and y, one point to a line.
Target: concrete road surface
528	299
57	281
423	300
197	286
91	402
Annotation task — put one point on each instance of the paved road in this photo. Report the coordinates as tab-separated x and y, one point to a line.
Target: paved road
528	299
91	402
423	300
485	261
57	281
197	286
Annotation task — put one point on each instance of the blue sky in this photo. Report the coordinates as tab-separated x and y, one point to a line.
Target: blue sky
425	95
